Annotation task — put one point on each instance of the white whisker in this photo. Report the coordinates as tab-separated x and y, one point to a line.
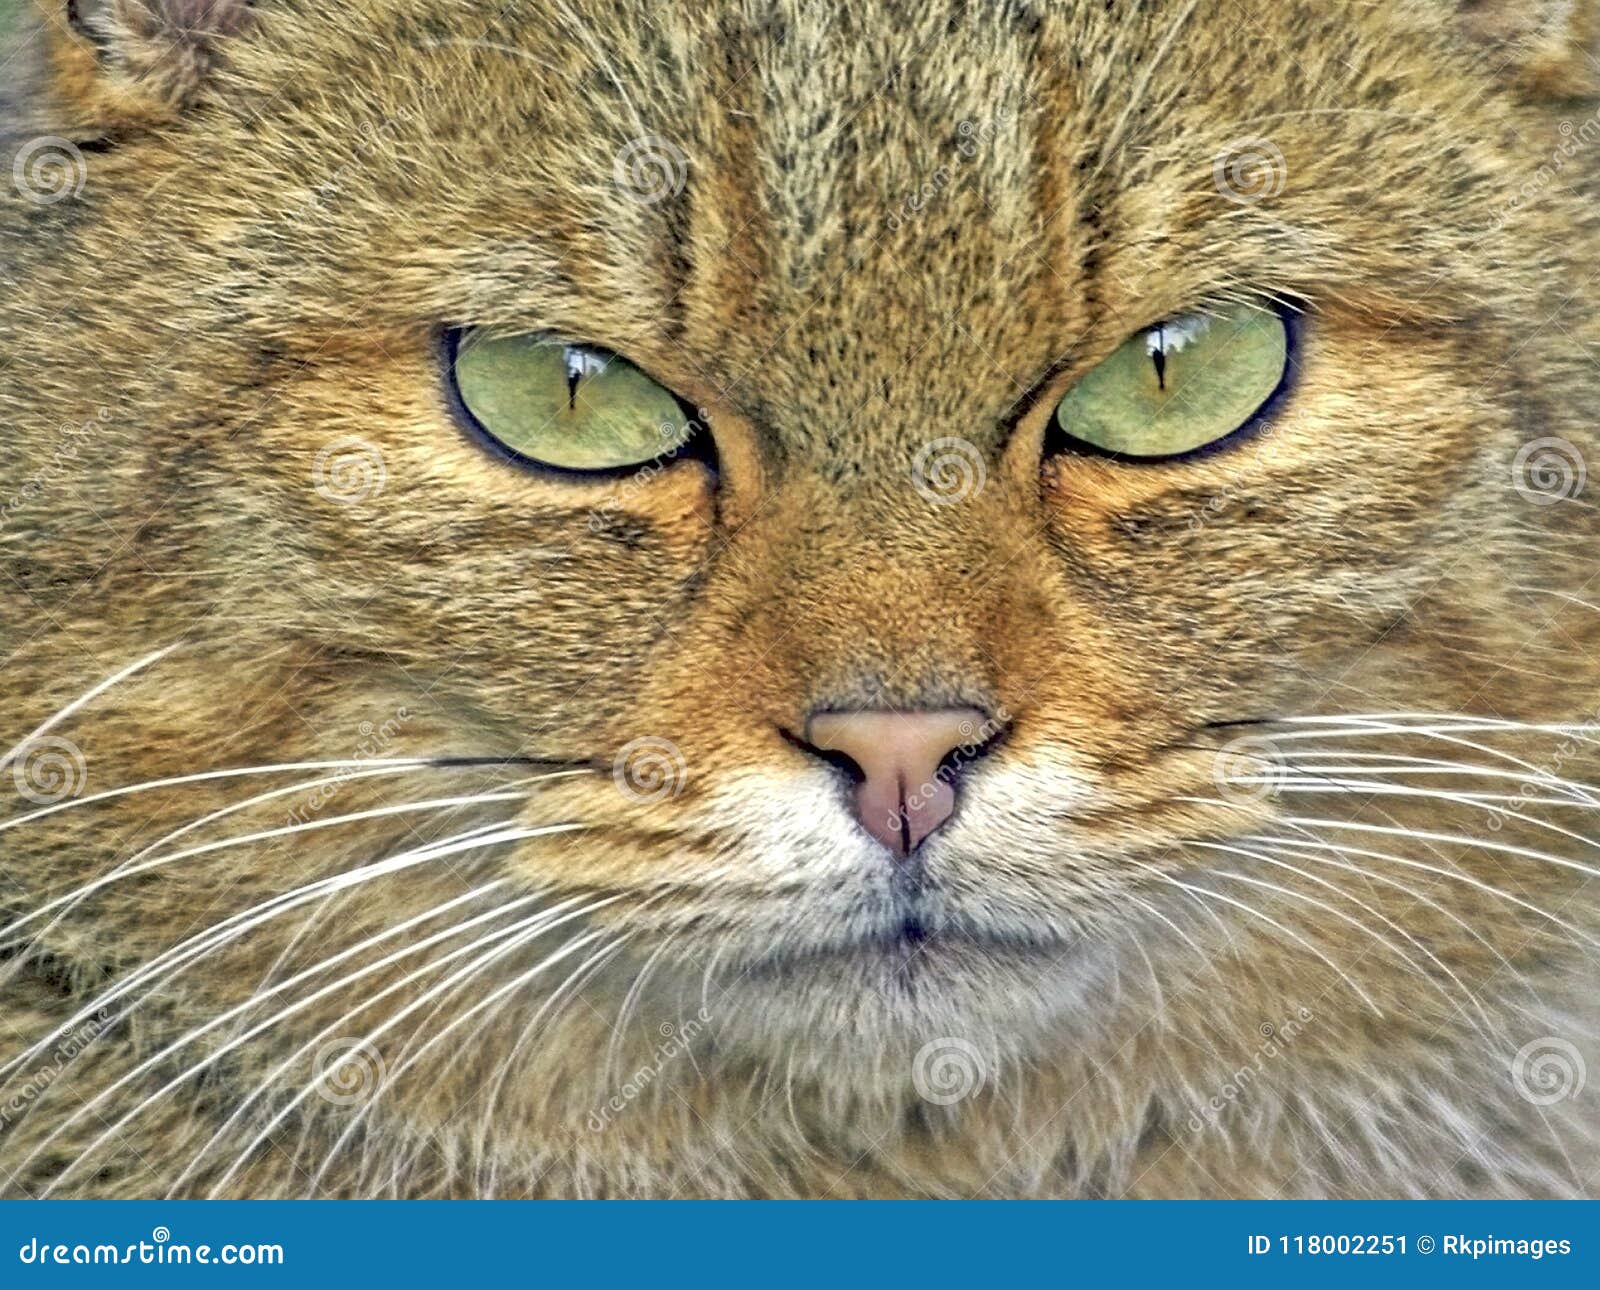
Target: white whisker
1396	764
194	1069
150	1063
1309	842
554	1002
1454	875
1376	913
471	969
1449	734
1452	839
375	765
1310	900
511	938
87	697
1256	913
1429	722
130	869
201	944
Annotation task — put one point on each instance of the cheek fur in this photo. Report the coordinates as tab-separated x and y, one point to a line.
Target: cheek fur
353	739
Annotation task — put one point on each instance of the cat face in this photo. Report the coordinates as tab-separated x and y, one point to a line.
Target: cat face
880	706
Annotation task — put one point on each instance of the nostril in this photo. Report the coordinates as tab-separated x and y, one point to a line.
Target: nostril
977	741
833	756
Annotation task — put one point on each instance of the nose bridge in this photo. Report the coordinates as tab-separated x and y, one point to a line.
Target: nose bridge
892	613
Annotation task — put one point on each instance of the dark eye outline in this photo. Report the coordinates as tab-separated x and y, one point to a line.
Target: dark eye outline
1059	442
698	446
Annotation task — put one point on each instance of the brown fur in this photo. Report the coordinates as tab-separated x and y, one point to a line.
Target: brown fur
898	223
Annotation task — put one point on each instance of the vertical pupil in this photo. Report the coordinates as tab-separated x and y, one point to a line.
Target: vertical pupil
580	362
1158	355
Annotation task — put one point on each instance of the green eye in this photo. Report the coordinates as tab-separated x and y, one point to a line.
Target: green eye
575	407
1180	385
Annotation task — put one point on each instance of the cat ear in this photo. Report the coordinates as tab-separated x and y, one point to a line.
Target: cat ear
110	64
1549	50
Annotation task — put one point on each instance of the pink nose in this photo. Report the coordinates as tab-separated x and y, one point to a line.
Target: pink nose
908	763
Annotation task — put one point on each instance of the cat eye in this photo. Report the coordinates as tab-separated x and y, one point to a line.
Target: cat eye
573	407
1182	385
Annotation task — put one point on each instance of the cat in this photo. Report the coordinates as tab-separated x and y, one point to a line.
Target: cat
905	777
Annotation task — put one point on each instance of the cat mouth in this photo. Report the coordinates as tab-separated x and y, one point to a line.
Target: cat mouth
913	931
906	976
919	933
